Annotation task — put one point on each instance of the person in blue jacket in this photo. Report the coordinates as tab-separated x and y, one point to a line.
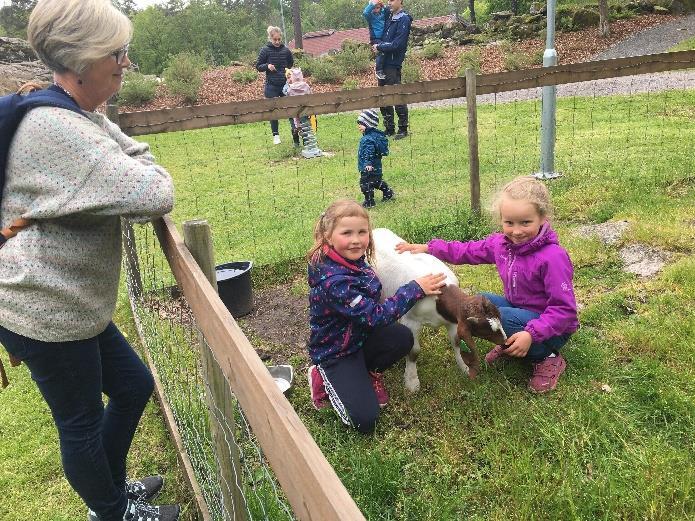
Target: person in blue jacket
354	336
394	44
273	59
373	146
375	13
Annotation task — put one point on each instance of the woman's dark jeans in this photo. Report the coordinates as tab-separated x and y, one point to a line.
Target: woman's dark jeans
275	91
515	320
94	440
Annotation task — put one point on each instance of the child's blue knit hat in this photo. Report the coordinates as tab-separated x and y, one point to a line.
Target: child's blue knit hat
369	118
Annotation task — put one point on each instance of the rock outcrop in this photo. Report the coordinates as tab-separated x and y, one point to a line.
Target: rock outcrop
18	65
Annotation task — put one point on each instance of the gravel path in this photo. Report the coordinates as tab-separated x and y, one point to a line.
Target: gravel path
650	41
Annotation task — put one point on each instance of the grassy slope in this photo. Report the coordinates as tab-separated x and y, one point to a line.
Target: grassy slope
488	449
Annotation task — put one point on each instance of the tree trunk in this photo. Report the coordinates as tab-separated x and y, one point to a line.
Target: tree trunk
603	27
515	7
471	8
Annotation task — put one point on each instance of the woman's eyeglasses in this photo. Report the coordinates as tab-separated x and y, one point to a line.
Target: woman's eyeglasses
120	54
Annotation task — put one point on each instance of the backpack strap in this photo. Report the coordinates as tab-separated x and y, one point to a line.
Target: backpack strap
16	107
15	227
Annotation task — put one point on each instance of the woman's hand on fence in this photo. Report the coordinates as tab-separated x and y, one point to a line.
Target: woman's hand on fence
412	248
431	283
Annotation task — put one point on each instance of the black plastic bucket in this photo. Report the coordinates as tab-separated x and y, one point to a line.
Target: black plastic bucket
234	287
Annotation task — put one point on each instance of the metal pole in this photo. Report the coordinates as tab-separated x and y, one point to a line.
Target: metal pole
282	17
548	103
297	21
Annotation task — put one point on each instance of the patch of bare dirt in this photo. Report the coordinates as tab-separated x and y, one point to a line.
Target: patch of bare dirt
608	232
572	47
280	318
642	260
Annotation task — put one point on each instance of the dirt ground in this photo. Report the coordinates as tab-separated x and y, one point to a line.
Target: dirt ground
280	320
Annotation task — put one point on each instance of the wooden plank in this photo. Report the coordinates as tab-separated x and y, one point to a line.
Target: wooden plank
204	116
313	489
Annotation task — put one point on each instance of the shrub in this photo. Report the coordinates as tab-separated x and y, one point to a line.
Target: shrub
433	50
410	71
470	60
354	57
350	84
513	61
184	75
307	64
325	70
137	89
245	76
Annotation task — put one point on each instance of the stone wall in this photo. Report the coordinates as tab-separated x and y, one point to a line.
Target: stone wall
18	65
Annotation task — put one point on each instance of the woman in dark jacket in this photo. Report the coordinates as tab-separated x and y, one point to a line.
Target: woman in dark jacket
273	59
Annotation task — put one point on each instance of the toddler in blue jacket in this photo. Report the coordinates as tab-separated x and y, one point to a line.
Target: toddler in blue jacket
376	14
354	336
373	146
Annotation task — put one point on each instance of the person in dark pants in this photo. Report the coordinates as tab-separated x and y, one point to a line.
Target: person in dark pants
73	176
273	59
354	337
373	146
394	44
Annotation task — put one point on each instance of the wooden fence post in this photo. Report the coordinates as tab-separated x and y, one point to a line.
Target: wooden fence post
473	158
221	402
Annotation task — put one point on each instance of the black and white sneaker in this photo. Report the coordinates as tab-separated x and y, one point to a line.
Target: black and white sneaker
139	510
147	488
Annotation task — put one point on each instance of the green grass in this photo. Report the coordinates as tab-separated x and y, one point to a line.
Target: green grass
685	45
458	449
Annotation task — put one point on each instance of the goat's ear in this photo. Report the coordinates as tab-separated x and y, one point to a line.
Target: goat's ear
475	321
489	308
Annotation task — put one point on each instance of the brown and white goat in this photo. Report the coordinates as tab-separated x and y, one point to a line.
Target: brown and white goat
464	316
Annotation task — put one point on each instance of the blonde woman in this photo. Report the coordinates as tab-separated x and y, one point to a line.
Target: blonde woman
73	176
273	59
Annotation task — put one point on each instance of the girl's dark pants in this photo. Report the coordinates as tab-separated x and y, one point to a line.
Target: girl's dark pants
515	319
275	91
94	440
350	378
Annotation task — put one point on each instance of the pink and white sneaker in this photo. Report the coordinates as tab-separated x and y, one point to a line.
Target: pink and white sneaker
319	396
546	374
382	397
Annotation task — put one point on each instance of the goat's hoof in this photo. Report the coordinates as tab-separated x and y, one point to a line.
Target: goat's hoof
473	373
413	387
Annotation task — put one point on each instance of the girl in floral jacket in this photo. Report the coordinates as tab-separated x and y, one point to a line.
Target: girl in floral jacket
354	337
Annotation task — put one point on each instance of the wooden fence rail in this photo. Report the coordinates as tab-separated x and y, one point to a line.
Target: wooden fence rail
204	116
311	485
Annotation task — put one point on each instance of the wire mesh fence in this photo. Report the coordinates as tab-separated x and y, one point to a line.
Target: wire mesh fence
174	345
261	200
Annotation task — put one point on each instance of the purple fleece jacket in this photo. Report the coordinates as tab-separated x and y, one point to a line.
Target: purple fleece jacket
537	276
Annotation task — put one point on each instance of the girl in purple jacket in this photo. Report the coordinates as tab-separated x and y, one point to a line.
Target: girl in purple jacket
354	335
539	312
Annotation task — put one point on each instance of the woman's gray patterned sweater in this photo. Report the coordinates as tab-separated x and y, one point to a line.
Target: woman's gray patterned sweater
74	177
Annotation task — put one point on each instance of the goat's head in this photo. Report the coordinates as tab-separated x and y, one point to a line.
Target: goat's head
484	320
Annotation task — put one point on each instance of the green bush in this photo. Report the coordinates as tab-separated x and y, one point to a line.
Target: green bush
350	84
433	50
307	64
411	69
354	57
325	70
245	76
514	61
470	60
137	89
184	75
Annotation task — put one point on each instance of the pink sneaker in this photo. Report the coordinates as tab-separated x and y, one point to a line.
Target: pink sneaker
382	397
546	374
319	396
494	354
